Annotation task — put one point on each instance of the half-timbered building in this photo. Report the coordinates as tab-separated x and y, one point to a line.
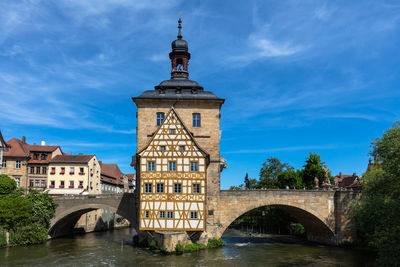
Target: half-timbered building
173	179
177	161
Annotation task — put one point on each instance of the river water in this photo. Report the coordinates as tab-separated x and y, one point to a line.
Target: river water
114	248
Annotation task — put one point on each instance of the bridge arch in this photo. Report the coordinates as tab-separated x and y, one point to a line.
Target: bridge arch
315	211
70	209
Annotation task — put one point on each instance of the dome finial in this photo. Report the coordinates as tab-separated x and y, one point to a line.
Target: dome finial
179	29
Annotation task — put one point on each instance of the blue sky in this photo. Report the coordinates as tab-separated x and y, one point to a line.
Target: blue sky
297	76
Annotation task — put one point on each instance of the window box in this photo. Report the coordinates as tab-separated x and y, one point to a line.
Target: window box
71	186
51	186
62	173
80	186
52	173
61	186
71	172
82	173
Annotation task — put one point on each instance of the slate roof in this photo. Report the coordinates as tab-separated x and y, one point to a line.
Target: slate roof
71	159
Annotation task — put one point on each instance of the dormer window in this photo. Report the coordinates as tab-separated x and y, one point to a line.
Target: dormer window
44	156
160	118
35	156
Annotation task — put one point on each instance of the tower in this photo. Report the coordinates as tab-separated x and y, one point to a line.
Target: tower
178	143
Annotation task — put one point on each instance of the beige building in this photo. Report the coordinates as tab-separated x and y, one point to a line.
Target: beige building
38	163
3	147
74	174
15	162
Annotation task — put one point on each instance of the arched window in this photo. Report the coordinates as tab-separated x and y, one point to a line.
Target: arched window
160	118
179	64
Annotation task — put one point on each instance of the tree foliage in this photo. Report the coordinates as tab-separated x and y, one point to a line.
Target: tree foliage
313	168
26	218
7	185
270	171
377	214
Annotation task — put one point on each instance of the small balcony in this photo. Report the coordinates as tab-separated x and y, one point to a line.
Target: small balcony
52	173
80	186
71	186
51	186
81	173
71	173
62	186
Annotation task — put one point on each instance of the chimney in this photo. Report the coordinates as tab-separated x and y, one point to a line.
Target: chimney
43	143
23	139
340	174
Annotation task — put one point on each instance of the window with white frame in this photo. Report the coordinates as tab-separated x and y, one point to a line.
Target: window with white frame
147	214
151	166
182	148
196	188
17	181
162	148
196	120
4	164
194	166
170	214
148	188
193	215
160	188
18	164
160	118
172	166
172	131
162	214
178	188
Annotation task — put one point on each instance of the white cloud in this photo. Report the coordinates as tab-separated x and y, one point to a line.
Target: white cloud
260	47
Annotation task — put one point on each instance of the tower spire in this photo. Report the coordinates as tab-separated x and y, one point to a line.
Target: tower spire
179	29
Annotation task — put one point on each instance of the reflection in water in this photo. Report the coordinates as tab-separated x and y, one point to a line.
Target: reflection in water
114	248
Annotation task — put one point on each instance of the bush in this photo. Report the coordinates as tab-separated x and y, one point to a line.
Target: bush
215	242
7	185
28	235
297	229
3	241
179	248
194	247
153	245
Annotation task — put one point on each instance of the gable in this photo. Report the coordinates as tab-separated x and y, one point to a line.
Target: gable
172	141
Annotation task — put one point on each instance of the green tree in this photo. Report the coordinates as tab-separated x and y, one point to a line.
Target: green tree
43	208
253	184
377	214
313	168
292	179
269	172
7	185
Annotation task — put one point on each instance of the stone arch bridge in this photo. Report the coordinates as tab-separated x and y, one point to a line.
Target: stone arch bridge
323	213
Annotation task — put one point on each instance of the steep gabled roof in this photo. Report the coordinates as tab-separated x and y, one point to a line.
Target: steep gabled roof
172	110
3	143
72	158
17	149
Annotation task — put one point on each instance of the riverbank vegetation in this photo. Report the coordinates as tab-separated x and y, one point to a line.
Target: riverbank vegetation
24	219
377	214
